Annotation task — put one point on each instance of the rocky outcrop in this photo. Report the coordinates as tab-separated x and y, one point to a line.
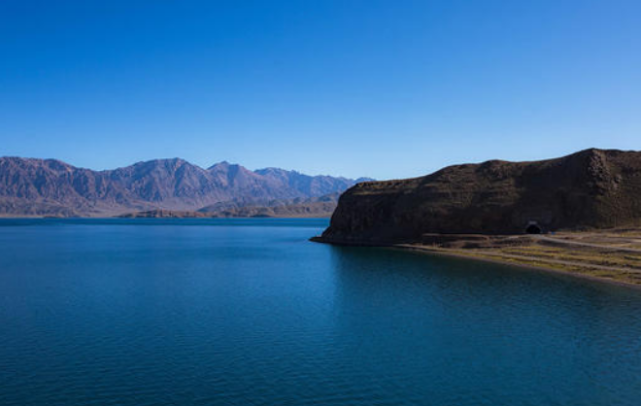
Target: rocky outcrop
589	189
50	187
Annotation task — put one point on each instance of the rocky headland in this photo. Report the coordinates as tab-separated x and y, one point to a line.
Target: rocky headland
579	213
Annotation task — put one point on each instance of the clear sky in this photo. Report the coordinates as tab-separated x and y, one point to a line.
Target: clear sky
357	88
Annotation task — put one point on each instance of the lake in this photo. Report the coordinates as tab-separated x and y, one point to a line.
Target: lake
248	312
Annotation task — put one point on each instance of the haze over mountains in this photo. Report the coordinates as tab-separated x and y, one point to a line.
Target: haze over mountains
50	187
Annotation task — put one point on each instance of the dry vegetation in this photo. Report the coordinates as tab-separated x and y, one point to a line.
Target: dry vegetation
611	254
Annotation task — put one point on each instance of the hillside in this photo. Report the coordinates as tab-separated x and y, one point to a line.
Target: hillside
311	207
36	187
591	189
322	206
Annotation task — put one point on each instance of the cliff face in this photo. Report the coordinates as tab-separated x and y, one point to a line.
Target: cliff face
589	189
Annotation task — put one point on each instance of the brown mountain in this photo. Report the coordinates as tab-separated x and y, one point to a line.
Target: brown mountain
322	206
589	189
51	187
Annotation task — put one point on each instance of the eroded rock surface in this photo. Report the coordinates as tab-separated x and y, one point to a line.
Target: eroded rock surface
589	189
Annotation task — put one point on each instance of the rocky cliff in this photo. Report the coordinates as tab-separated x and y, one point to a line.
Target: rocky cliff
589	189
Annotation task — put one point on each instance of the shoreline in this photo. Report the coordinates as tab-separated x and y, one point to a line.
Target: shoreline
444	252
124	217
498	261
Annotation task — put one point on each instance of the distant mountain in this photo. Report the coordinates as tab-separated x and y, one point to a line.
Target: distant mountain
322	206
54	188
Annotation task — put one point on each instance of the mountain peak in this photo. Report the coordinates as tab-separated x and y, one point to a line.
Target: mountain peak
223	165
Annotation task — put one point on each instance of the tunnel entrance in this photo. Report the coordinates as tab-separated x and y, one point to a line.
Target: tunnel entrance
533	228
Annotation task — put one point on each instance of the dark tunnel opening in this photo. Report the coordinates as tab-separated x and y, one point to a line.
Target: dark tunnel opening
533	228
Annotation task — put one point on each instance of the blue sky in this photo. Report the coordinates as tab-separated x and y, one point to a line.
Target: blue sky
384	89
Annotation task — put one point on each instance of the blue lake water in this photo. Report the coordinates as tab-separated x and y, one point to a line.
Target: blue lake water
248	312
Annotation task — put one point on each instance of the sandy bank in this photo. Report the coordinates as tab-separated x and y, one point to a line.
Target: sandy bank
612	257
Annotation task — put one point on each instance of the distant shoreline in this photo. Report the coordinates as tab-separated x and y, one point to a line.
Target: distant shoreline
126	216
158	218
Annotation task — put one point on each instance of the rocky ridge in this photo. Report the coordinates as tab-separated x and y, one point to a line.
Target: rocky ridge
591	189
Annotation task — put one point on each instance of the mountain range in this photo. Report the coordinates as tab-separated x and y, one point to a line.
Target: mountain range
49	187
